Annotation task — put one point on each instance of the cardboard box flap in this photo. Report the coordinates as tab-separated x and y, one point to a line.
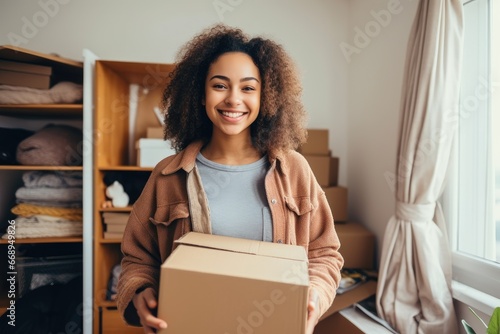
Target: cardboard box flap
247	246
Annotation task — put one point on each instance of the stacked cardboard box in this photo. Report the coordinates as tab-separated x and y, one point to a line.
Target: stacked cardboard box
358	249
15	73
357	242
326	169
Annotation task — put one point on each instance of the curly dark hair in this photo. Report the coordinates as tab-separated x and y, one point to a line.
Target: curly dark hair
281	121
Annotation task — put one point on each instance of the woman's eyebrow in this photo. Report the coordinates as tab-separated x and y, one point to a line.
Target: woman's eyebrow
222	77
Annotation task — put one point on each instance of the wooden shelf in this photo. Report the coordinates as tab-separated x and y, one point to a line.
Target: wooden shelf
46	168
125	169
42	110
125	209
110	241
44	240
107	303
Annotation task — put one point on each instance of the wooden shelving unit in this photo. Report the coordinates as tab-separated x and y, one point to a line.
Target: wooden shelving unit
23	116
114	153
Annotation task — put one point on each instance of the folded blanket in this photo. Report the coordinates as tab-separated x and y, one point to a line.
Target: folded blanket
56	204
54	144
27	210
52	179
42	220
42	226
49	194
62	92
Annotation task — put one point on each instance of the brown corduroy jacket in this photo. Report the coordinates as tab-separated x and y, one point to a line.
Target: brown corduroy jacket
173	203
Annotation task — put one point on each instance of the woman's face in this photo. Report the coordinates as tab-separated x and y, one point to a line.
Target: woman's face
232	94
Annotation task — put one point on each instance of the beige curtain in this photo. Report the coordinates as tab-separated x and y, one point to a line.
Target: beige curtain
414	289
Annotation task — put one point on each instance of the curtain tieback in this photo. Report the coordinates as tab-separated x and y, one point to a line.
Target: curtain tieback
415	212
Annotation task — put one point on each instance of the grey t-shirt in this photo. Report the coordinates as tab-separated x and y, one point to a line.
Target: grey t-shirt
237	198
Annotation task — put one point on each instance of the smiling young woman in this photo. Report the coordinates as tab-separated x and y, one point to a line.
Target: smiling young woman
234	115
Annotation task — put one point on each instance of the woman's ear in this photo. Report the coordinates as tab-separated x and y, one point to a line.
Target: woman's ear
203	101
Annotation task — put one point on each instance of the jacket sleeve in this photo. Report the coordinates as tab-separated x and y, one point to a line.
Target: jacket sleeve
141	260
325	260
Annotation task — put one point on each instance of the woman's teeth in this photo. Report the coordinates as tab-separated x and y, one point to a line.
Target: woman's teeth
232	114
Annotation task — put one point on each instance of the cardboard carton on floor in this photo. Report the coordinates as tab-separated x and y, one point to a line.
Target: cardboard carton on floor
217	284
357	245
317	142
337	199
325	169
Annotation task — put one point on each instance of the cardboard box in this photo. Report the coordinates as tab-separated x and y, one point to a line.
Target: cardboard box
337	199
217	284
317	142
154	132
150	151
357	245
23	74
325	168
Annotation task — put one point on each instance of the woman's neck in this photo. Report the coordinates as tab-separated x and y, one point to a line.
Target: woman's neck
231	151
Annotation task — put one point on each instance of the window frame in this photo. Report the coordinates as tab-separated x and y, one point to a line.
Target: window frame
475	279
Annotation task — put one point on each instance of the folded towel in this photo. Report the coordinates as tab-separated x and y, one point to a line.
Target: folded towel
52	179
62	195
27	210
43	226
62	92
56	204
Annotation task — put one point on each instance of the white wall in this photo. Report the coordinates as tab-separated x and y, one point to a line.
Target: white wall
379	30
153	31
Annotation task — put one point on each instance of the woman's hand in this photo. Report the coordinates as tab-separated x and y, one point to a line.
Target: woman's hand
312	311
145	302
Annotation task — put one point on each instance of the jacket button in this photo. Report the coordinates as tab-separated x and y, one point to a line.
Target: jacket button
274	201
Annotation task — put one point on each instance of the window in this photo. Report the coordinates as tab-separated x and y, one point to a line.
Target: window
472	197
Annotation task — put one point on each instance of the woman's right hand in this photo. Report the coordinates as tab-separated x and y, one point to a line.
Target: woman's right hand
145	302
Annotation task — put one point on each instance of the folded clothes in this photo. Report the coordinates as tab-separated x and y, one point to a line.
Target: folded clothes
50	194
62	92
53	145
27	210
56	204
40	226
52	179
40	220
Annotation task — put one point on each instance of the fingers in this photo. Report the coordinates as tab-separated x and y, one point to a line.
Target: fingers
144	303
312	311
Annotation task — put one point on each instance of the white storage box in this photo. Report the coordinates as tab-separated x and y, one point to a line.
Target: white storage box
150	151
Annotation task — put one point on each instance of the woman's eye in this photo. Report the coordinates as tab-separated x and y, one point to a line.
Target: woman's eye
248	88
219	86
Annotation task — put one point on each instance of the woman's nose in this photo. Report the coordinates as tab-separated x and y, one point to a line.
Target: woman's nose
233	98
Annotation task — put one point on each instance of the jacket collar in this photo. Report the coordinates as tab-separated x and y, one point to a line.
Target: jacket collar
186	160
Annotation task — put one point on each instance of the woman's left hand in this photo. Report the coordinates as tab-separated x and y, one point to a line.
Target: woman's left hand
312	311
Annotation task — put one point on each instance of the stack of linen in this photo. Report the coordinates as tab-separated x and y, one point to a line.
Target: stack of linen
49	205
